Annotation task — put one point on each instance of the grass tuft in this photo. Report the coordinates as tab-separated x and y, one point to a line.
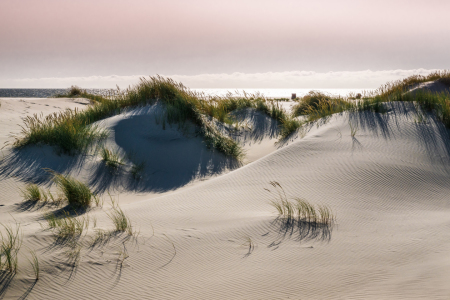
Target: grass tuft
353	129
300	209
112	158
32	192
10	243
76	193
121	222
34	262
71	131
67	227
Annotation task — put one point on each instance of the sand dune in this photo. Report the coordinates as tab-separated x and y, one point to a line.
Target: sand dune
208	231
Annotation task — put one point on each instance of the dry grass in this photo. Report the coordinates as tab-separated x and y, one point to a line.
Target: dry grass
122	223
112	158
71	131
300	209
75	192
34	262
67	227
32	192
77	92
10	243
353	129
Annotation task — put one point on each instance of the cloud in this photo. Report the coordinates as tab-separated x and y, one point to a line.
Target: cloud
292	79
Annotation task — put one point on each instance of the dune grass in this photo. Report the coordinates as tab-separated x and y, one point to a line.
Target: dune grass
34	262
75	192
69	130
112	158
67	227
353	129
77	92
300	209
10	243
32	192
72	131
317	106
121	222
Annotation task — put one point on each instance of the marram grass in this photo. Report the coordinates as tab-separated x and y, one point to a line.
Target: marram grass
10	243
111	158
34	262
121	222
67	227
32	192
300	209
72	131
77	193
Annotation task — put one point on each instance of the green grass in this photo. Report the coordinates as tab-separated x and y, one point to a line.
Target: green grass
72	131
32	192
121	222
10	243
77	92
300	209
111	158
309	101
353	129
34	262
69	130
67	227
323	106
75	192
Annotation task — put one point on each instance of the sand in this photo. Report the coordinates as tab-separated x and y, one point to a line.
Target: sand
196	211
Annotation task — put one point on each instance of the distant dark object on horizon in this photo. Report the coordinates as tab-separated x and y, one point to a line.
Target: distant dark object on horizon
294	95
358	96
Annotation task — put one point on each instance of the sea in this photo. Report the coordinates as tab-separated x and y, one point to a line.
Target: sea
268	93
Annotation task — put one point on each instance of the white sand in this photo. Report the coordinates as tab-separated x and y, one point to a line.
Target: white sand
388	187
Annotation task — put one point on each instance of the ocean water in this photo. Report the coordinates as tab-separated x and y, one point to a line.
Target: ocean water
269	93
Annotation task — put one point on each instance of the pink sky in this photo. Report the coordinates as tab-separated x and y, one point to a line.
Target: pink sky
63	38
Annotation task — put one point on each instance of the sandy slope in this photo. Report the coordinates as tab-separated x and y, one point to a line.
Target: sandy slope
388	187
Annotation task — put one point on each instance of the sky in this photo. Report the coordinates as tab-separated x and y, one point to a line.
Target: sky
221	44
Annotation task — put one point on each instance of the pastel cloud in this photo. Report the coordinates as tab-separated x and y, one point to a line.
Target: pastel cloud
290	79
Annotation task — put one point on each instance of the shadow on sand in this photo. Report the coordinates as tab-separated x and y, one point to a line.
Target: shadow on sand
298	230
171	159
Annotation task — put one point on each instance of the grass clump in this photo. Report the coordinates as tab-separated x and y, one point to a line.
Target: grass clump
66	226
72	131
34	262
300	209
75	192
10	243
121	222
32	192
112	158
311	100
353	129
35	194
77	92
66	130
